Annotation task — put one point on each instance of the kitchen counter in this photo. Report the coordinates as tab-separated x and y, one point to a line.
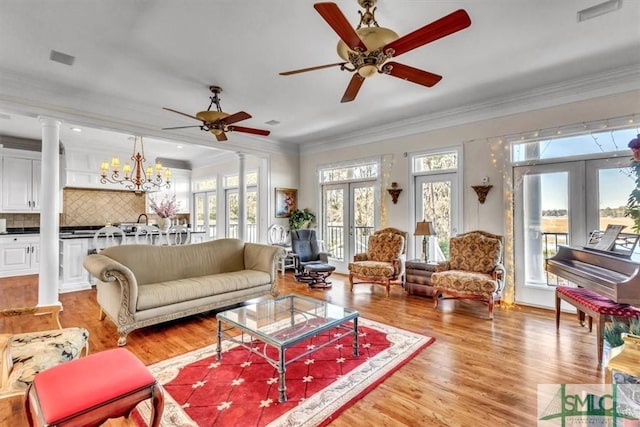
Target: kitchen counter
88	234
69	232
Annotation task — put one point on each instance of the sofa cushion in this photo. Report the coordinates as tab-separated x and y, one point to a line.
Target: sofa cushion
373	269
474	252
465	282
174	291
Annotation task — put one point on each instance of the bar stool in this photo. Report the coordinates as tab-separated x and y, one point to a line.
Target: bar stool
92	389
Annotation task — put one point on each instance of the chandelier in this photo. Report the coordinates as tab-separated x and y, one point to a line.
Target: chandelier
137	178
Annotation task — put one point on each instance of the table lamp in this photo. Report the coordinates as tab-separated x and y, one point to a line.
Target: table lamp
424	228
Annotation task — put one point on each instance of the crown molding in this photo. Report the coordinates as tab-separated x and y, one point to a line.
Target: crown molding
13	100
613	82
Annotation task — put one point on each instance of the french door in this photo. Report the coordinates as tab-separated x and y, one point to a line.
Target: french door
205	208
437	200
349	218
232	208
560	204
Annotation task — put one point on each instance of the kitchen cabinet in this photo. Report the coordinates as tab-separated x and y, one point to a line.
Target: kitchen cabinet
20	184
19	255
73	276
82	168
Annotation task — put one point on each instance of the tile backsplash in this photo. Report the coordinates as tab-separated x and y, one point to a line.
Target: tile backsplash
82	207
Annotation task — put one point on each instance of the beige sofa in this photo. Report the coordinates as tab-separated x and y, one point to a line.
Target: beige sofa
142	285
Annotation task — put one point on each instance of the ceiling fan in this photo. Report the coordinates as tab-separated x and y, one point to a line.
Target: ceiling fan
369	48
218	122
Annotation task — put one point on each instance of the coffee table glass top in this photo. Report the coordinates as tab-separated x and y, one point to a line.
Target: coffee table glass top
287	319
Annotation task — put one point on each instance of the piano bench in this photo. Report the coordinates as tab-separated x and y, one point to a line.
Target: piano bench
595	306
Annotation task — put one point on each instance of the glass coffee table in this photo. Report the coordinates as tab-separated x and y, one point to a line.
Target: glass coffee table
277	324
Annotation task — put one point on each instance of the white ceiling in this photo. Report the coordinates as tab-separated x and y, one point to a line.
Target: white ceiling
135	57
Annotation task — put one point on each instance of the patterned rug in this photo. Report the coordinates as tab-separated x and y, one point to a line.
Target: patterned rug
242	388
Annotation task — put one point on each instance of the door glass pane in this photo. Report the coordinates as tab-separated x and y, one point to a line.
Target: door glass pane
199	223
364	219
614	187
546	221
212	202
251	234
232	214
436	207
334	222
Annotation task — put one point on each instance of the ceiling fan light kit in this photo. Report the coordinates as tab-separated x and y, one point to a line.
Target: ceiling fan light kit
369	48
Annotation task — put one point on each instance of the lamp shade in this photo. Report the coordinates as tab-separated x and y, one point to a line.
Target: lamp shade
425	228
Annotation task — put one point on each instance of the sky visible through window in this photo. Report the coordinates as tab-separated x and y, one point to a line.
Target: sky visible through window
617	182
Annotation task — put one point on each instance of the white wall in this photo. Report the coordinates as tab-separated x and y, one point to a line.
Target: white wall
477	157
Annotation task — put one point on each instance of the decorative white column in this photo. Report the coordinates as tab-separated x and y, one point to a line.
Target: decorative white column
242	197
49	212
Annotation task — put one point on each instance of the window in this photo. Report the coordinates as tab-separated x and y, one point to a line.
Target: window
232	206
349	173
437	196
205	202
565	188
609	141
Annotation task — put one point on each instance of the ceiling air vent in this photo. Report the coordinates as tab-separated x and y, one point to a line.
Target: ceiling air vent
62	58
599	9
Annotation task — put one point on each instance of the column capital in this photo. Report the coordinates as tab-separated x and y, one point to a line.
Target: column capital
49	121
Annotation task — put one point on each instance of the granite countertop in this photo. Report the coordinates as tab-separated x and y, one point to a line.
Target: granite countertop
67	232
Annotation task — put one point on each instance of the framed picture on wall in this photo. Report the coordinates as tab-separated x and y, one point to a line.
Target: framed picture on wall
286	202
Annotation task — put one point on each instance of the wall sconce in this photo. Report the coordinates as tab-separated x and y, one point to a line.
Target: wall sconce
395	192
482	191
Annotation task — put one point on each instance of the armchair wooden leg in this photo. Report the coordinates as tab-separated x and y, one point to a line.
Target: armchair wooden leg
435	298
388	286
491	304
351	282
101	314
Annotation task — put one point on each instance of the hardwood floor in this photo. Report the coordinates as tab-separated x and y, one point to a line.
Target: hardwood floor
478	372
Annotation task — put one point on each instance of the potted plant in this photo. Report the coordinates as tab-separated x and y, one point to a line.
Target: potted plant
301	219
614	333
166	210
633	204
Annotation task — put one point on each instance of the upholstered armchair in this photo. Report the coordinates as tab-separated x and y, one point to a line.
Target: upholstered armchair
474	269
383	263
25	354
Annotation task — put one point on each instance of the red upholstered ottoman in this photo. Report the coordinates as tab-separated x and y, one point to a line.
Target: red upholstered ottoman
595	306
89	390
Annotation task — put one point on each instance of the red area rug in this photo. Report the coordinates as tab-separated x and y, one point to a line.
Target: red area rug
242	388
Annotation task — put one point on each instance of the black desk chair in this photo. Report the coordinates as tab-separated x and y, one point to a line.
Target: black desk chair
311	263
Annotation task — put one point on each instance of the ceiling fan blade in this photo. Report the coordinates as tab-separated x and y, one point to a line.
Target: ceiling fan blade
221	137
182	127
181	113
414	75
304	70
444	26
237	117
353	88
249	130
334	17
